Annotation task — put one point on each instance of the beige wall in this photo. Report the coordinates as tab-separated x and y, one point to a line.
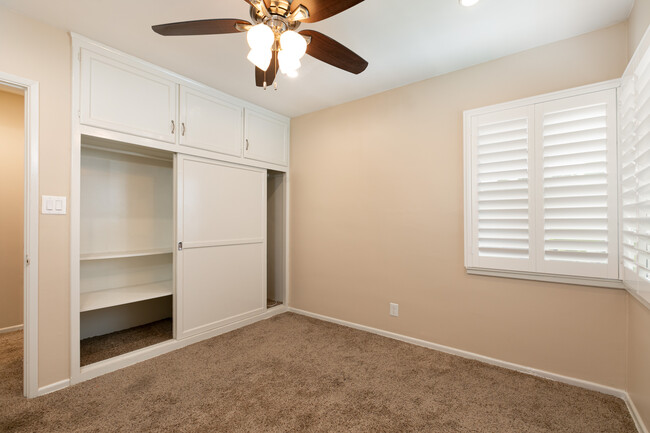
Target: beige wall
639	358
638	23
35	51
12	138
377	217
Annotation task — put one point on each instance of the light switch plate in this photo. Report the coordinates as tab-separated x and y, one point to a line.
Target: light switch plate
53	205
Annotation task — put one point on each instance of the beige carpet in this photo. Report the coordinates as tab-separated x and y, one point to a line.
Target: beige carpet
293	374
107	346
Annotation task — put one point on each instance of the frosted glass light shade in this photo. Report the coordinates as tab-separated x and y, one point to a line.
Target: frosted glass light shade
468	3
260	37
294	44
288	63
260	58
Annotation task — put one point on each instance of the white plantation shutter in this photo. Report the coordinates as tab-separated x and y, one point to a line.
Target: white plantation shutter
635	172
541	187
627	160
576	186
502	219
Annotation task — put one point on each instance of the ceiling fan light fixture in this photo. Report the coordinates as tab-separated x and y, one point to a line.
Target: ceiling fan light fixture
260	58
293	44
468	3
289	64
260	37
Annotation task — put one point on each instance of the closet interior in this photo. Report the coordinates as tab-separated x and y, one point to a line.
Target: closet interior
276	238
126	248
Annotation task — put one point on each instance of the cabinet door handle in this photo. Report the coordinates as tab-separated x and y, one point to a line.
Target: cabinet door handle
173	127
247	144
183	129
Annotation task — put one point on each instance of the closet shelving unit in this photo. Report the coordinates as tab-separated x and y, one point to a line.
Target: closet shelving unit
126	254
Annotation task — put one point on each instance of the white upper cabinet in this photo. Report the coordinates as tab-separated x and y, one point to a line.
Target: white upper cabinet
267	138
123	98
210	123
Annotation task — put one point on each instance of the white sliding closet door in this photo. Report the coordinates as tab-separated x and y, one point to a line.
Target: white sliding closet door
222	226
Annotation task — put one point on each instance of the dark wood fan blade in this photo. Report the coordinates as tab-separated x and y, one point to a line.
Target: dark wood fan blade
270	72
199	27
321	9
329	51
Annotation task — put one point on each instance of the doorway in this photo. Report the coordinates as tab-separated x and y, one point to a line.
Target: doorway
19	231
12	142
12	137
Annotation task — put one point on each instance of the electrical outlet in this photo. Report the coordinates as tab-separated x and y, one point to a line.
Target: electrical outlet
394	309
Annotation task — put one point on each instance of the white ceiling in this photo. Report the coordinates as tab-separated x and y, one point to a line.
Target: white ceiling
404	41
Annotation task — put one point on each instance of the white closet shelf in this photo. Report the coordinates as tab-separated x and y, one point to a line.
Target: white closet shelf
124	254
124	295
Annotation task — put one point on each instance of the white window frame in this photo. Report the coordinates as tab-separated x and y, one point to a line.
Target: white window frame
475	268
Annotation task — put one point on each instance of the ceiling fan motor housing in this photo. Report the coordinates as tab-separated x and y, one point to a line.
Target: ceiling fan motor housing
280	8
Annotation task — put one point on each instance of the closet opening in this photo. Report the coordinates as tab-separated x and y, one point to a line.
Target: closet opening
276	239
12	233
126	248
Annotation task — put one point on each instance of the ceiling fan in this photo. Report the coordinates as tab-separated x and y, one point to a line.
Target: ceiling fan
275	44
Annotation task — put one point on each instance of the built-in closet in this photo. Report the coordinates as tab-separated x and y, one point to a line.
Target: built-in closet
126	242
178	211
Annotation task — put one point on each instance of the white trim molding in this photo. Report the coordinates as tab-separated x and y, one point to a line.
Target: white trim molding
592	386
31	190
56	386
636	416
550	278
9	329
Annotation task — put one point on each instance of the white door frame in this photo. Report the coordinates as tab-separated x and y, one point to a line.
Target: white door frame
31	200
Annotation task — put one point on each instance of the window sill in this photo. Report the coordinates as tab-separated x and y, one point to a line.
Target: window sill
550	278
642	297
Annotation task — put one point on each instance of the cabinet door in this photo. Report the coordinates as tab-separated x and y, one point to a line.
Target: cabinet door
211	123
221	274
267	138
125	98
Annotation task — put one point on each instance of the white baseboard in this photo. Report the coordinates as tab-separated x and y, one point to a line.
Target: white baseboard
470	355
53	387
11	329
636	416
126	360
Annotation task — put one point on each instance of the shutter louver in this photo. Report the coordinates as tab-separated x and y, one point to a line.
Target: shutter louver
629	225
502	189
635	174
642	171
575	185
576	190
